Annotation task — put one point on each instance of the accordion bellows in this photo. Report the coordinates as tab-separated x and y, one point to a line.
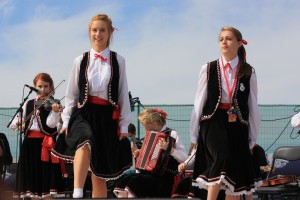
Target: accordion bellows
151	157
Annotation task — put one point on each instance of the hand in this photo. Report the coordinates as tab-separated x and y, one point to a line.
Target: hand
136	153
192	146
133	149
18	124
57	107
181	167
163	144
64	130
123	135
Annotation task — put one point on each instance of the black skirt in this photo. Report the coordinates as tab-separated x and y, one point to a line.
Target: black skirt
223	156
146	184
93	125
36	178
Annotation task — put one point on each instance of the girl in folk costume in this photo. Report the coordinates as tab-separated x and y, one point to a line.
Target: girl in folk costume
148	184
225	121
96	114
39	175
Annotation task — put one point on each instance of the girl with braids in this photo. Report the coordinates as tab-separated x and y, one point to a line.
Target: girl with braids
147	184
225	122
97	113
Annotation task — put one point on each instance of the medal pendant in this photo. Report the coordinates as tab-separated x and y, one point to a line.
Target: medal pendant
232	117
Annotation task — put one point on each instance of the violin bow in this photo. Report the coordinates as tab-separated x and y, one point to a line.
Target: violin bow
49	95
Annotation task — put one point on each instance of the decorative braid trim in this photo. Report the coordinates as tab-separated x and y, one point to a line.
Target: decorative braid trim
227	185
206	117
86	94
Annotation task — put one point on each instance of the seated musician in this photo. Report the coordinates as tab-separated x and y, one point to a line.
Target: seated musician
137	142
149	184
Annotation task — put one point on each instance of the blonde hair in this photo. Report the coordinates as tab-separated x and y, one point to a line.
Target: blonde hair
150	115
105	18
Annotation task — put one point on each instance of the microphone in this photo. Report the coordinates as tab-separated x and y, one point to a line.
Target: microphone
33	88
131	101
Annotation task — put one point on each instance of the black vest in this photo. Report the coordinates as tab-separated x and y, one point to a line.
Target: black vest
214	93
41	119
172	167
113	85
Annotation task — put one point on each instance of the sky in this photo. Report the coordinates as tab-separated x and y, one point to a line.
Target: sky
164	42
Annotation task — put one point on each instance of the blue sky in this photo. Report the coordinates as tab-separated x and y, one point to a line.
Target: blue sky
164	42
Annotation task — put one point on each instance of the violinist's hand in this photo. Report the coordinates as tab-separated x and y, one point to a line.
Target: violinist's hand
163	144
18	124
181	167
56	107
123	135
136	153
64	130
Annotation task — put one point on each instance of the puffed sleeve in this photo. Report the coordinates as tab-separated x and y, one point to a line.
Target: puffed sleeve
295	121
17	118
254	116
200	99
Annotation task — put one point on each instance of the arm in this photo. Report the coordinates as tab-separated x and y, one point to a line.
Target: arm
53	119
72	93
254	116
179	152
200	99
123	103
15	123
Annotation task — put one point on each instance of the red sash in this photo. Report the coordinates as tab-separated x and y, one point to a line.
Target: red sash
47	146
116	112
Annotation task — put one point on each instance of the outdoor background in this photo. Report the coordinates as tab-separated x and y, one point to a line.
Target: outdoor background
275	127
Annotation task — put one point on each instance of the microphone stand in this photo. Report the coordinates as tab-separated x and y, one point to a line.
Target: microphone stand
133	102
19	110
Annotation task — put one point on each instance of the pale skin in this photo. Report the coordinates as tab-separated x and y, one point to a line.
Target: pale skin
45	89
99	34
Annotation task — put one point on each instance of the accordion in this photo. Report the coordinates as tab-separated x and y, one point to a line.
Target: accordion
151	157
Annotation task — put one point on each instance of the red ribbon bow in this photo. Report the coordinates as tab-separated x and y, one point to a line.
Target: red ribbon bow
163	113
101	57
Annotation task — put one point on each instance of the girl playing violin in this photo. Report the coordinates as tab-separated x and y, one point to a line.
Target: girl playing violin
39	174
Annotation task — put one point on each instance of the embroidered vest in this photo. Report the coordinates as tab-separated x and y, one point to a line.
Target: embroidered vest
214	93
113	85
41	119
172	167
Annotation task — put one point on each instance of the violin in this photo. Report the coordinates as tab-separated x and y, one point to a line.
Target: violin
279	180
47	103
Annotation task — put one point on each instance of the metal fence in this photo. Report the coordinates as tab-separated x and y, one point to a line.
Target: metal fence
275	127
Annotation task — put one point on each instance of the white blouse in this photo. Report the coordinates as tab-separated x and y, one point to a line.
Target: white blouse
52	119
295	121
99	73
201	96
179	152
